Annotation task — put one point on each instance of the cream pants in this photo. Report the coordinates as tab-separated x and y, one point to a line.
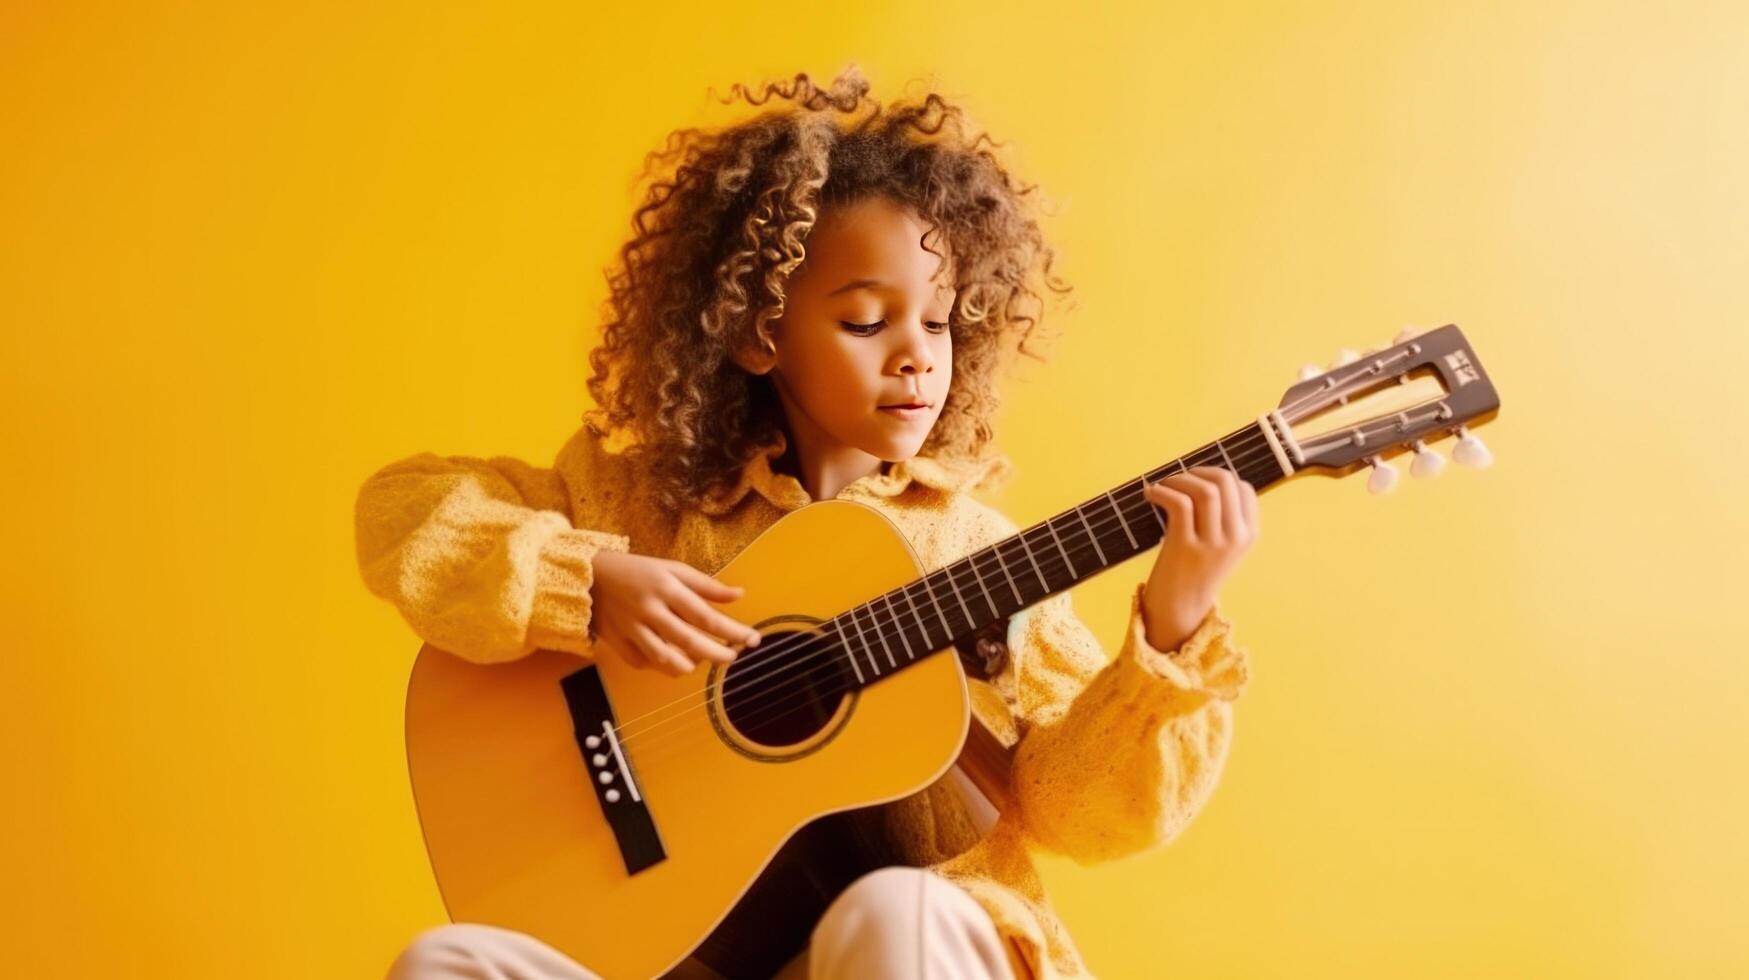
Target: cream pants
894	922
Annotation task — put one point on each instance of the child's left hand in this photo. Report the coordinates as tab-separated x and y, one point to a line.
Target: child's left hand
1211	521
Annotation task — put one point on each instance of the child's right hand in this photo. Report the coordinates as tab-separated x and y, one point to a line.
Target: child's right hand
653	613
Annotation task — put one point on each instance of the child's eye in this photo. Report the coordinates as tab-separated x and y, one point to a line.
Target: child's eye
864	329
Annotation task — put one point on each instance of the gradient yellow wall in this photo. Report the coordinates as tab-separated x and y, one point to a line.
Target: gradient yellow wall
1497	725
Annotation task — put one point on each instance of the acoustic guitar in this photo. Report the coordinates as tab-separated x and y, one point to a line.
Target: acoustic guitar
623	815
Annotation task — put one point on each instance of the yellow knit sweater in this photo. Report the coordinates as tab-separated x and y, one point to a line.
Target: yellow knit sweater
490	559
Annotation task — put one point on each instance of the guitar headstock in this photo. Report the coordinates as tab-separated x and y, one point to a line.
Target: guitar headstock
1372	405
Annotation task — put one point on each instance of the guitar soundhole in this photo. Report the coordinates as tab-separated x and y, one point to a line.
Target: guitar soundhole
785	691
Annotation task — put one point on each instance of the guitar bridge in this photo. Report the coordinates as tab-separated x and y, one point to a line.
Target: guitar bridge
610	772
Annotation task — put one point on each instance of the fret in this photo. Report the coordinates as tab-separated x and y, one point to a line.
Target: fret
997	548
1122	520
866	622
1052	526
888	599
848	653
874	627
1091	536
973	563
970	619
1181	467
868	651
1026	546
941	614
1224	456
922	629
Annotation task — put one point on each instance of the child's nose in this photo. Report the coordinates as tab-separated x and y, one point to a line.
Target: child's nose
914	355
919	363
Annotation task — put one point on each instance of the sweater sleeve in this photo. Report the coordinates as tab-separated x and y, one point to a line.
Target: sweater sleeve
1136	753
480	556
1116	757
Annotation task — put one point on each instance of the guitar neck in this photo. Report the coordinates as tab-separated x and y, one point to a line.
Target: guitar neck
928	614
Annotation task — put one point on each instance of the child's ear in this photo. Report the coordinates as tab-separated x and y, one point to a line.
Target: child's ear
758	356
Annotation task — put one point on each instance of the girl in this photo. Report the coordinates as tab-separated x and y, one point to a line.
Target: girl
814	306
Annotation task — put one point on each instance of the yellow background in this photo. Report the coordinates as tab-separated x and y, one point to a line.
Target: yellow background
1497	722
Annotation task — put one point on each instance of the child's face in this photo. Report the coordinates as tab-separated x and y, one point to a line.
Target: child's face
836	381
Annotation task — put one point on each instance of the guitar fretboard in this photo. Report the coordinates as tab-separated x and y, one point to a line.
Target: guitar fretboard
894	630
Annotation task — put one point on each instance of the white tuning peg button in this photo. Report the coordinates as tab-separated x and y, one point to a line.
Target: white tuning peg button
1427	463
1408	333
1344	356
1471	451
1384	475
1310	371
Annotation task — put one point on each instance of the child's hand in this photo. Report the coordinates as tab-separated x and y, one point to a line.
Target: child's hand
1211	521
653	613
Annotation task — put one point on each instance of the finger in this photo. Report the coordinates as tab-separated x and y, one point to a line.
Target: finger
666	659
699	614
705	585
1232	507
627	650
632	653
691	641
1180	516
1253	513
1207	495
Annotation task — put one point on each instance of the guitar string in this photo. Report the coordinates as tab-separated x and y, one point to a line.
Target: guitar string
804	697
769	664
1244	446
762	699
798	692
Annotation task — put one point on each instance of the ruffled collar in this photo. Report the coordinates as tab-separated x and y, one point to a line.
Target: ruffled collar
787	493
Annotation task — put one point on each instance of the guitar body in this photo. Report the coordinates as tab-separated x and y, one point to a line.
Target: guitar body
726	770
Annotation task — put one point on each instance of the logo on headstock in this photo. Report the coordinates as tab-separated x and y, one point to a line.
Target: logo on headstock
1460	365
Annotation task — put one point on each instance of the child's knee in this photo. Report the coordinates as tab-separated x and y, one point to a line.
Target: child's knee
436	952
471	949
899	912
899	889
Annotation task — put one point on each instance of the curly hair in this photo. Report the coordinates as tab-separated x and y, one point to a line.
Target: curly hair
725	221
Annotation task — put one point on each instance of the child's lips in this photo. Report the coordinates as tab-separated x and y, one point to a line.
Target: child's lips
905	411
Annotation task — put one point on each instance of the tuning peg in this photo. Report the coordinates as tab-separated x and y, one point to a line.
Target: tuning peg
1310	371
1408	333
1470	450
1384	475
1344	356
1427	463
